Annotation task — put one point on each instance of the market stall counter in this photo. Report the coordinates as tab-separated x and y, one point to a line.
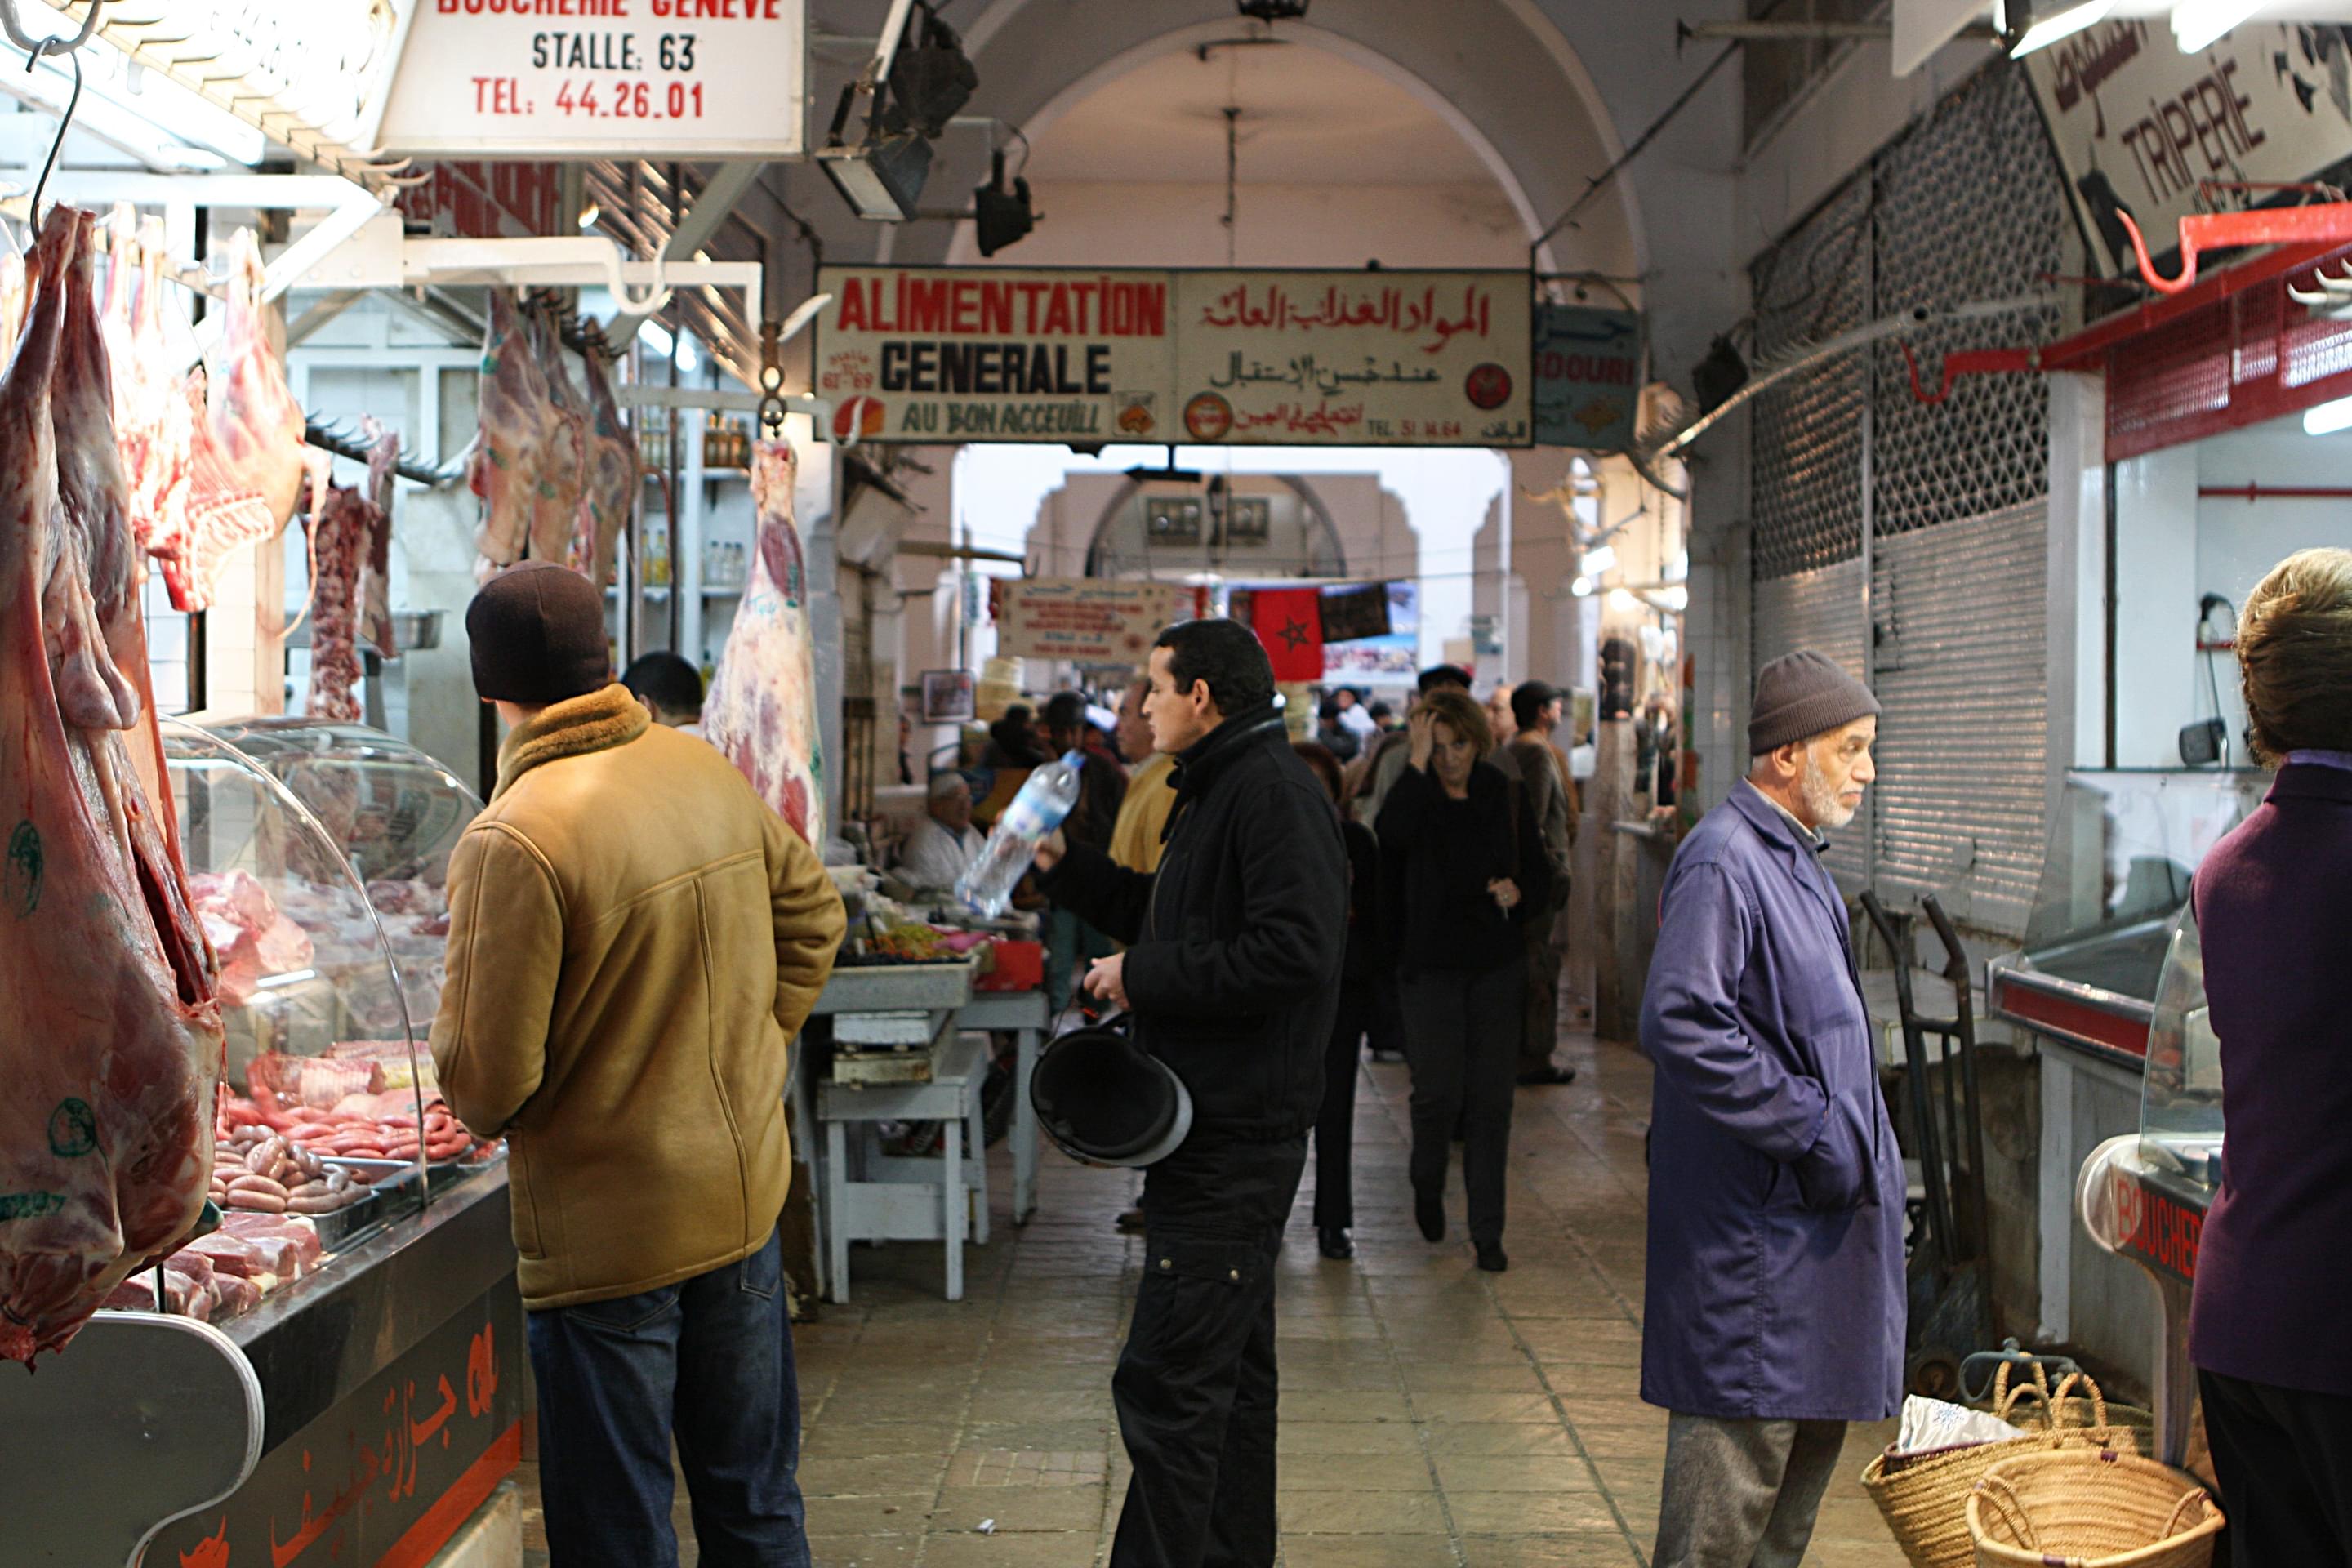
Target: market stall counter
361	1262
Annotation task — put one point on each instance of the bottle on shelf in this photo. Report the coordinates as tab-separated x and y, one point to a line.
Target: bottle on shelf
1047	797
657	556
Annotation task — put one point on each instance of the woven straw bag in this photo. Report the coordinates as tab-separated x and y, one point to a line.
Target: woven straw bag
1924	1498
2091	1508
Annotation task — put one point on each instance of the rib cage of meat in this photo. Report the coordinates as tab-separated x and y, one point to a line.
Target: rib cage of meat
258	432
153	419
762	710
564	529
612	475
110	1041
514	448
340	536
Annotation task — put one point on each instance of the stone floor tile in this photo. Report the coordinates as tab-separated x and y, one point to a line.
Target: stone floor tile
901	1514
970	1549
1527	1513
1362	1551
1578	1549
1504	1437
1348	1437
1561	1472
1343	1405
1440	1405
1363	1513
1354	1473
1077	1507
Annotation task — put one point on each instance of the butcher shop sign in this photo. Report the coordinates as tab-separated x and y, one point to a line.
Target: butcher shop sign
1207	358
621	78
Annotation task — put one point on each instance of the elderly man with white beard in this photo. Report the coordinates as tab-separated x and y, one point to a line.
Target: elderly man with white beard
1775	1303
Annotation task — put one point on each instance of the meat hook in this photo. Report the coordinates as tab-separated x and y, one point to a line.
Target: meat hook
2332	291
60	45
2323	222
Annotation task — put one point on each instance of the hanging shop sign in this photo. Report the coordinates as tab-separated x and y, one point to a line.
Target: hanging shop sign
1353	359
1587	377
911	354
2142	126
1087	619
617	78
1288	359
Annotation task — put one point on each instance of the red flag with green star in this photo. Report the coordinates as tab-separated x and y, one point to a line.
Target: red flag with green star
1289	621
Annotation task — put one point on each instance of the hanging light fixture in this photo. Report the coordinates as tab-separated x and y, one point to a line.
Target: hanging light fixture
1272	11
1001	214
914	92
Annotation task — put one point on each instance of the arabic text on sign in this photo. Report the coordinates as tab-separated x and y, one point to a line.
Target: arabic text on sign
973	307
1398	311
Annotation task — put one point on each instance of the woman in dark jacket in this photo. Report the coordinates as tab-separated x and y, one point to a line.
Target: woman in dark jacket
1334	1124
2268	1326
1463	869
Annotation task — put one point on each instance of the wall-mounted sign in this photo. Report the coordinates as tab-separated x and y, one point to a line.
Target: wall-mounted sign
1588	369
1288	359
1089	619
621	78
1353	359
948	696
2141	126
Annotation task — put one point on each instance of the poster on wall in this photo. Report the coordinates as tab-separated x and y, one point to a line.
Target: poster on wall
1087	619
941	355
1587	377
2143	128
1386	658
948	696
1353	359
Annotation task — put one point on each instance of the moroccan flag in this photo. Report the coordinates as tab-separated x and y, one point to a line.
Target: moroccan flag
1289	621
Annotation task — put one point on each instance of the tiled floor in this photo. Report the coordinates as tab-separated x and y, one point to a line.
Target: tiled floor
1431	1416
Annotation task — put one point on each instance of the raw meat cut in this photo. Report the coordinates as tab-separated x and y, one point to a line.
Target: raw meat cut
513	449
13	286
612	475
341	538
252	939
375	575
762	710
256	427
153	424
222	518
110	1040
564	529
90	609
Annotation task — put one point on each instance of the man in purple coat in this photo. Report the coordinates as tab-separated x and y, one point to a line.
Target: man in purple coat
1775	1303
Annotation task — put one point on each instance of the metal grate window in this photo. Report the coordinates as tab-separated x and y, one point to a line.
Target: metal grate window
1805	438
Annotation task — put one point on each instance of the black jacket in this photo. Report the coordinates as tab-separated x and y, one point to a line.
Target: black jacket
1235	945
1437	855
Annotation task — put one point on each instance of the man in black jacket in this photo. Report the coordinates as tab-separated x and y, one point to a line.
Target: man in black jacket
1232	971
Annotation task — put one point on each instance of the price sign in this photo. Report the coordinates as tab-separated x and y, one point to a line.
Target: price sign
631	78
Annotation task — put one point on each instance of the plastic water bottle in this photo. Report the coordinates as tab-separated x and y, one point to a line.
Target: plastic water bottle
1045	799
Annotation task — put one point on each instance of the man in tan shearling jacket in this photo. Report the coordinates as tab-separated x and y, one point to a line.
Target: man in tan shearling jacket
634	937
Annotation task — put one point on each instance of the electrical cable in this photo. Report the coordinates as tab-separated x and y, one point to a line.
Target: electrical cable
1594	186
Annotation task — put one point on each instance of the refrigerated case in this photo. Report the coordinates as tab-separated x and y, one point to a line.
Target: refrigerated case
388	1360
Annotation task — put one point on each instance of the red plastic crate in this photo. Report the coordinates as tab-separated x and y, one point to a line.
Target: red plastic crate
1019	967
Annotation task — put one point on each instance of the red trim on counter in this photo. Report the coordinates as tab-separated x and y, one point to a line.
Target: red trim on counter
2066	1017
428	1535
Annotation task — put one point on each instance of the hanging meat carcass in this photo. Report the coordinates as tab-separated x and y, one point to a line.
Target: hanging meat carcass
257	428
110	1041
153	421
340	536
512	450
560	529
375	577
613	474
761	712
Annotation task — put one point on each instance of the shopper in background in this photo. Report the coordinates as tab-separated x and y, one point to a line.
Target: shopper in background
1230	974
1351	713
634	941
1134	838
1013	741
1384	718
1332	734
1376	772
2273	903
1070	943
670	689
1463	869
1656	743
1542	772
1775	1307
1500	721
942	845
1334	1124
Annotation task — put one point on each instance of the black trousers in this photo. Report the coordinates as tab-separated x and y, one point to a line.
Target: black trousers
1197	1383
1335	1124
1385	1024
2283	1457
1461	1030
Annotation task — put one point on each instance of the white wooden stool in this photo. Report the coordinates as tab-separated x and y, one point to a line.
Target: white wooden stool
898	1198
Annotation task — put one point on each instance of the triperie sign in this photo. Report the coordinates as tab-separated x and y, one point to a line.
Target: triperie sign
634	78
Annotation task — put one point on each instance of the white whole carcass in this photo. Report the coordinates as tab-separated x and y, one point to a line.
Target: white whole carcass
762	710
110	1040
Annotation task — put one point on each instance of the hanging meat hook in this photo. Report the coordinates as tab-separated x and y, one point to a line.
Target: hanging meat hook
2319	224
37	47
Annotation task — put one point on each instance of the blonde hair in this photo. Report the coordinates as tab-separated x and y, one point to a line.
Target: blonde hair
2295	655
1462	716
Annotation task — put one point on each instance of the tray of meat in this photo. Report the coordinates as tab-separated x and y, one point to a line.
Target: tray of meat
257	1171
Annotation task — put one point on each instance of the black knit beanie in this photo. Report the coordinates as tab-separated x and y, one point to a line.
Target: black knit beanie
538	636
1801	695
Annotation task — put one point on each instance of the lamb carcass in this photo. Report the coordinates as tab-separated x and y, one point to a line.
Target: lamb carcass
564	530
110	1040
612	475
512	452
340	536
257	428
153	423
375	575
221	518
761	712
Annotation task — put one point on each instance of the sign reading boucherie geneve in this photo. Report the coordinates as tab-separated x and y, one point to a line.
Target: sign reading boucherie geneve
1209	357
625	79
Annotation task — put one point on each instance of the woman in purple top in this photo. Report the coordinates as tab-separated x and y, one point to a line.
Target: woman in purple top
2271	1327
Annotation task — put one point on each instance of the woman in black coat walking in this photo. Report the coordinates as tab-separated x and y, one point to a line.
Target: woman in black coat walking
1463	869
1335	1124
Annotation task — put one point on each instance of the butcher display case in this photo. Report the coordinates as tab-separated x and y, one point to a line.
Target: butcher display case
2123	847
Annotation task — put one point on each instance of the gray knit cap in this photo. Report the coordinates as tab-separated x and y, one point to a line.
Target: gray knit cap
1802	694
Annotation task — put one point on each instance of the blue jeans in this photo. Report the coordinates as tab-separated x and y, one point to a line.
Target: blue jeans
709	1360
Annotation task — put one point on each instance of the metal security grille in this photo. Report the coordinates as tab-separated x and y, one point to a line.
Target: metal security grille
1806	436
1963	750
1967	206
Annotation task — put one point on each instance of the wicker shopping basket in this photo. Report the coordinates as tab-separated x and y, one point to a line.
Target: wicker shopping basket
1924	1498
2091	1508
